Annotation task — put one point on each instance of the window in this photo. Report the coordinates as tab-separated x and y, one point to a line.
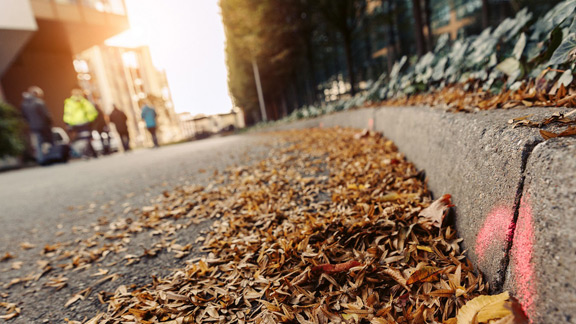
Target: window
109	6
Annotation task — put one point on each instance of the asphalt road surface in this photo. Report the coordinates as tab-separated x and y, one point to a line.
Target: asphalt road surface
43	205
37	198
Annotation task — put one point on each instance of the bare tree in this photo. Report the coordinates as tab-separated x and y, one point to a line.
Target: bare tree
345	16
418	27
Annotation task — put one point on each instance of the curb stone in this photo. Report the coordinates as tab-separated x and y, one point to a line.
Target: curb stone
543	256
479	160
492	170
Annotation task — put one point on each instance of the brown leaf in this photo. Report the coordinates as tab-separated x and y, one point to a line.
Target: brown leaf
27	245
74	299
518	314
547	135
425	274
335	268
6	256
517	119
397	276
434	214
571	131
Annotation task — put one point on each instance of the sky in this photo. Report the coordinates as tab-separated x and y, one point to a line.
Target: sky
186	39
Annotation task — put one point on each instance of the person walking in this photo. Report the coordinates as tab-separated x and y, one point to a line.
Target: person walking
101	126
36	114
119	119
79	113
149	116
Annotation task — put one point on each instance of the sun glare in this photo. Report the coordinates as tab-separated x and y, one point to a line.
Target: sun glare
186	39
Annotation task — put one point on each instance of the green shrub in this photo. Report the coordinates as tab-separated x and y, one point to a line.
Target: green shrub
11	124
521	49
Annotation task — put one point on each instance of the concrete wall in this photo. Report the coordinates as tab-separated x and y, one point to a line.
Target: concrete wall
51	71
17	24
17	14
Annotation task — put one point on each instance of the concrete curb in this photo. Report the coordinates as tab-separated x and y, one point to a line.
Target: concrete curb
515	194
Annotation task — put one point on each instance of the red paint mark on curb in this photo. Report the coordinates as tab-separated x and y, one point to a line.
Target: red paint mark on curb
522	251
321	125
498	228
371	124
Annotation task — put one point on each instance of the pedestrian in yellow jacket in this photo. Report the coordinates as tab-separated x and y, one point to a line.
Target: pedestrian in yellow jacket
78	110
79	113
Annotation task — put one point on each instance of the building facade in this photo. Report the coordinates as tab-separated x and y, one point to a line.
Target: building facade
40	39
125	77
202	126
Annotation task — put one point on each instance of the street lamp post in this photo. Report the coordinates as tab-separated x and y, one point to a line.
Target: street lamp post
259	89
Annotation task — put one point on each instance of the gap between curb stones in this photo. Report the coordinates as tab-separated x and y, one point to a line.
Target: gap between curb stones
527	150
504	265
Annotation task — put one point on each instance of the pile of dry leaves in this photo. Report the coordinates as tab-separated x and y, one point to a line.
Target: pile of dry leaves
335	226
471	96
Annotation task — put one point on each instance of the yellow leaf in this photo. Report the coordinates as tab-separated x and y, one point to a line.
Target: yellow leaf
348	317
390	197
493	311
483	308
424	248
393	196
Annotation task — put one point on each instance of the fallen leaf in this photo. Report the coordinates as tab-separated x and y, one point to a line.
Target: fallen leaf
74	299
27	245
547	135
16	265
363	134
425	248
483	309
335	268
434	214
348	317
7	256
571	131
425	274
517	119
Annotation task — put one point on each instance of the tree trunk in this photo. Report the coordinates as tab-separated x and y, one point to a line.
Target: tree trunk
368	50
336	70
311	67
395	39
428	22
390	54
259	90
485	14
284	105
349	62
417	13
